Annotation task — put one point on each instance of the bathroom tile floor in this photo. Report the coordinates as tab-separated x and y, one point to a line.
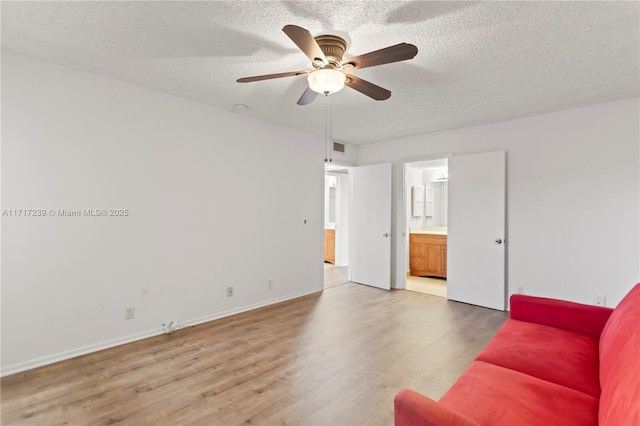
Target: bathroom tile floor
334	275
426	285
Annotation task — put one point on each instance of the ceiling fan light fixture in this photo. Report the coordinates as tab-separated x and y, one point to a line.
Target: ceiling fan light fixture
330	72
326	80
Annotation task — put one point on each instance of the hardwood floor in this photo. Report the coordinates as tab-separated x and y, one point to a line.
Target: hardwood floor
332	358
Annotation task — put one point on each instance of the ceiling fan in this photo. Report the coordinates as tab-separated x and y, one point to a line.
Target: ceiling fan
330	71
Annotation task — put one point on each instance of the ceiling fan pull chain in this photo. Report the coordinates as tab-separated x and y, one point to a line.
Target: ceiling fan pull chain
330	129
326	134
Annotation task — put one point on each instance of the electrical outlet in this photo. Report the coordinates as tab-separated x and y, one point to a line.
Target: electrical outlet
270	284
521	290
129	312
599	300
229	291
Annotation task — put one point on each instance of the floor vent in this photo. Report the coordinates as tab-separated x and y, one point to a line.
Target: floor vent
338	147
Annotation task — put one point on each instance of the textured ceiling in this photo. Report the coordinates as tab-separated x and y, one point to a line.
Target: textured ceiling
478	62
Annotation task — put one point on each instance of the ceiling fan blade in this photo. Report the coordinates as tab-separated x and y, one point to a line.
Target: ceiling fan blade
363	86
305	41
307	97
396	53
270	76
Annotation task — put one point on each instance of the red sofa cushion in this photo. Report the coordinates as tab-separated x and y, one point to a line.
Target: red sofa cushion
572	316
620	363
620	398
490	394
618	331
560	356
412	408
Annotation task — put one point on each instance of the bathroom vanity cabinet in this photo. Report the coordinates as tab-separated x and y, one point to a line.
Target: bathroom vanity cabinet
428	255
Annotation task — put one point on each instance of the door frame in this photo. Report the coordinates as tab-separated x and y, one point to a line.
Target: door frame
402	256
346	219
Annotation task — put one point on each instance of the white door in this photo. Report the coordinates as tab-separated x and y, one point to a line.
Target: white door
371	225
476	229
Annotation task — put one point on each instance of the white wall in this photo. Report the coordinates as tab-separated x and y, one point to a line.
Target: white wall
440	201
342	220
439	216
329	181
347	158
340	182
207	211
413	177
572	196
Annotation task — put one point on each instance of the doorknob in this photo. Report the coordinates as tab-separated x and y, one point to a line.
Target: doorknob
386	234
498	241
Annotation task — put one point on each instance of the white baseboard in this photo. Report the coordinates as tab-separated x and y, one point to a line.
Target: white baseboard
61	356
207	318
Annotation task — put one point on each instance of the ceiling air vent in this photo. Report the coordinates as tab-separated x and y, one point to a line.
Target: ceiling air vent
338	147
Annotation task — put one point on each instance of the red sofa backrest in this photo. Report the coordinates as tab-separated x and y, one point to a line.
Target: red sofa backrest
620	363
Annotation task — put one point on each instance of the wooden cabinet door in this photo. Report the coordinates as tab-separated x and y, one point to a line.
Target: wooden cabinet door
416	249
428	255
444	261
326	248
416	257
330	245
416	264
433	259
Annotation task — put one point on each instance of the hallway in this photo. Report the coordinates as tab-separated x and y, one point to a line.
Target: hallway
334	275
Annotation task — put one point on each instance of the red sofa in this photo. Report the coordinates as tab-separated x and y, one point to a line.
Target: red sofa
552	363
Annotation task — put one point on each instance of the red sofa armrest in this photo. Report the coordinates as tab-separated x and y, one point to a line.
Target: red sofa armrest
414	409
572	316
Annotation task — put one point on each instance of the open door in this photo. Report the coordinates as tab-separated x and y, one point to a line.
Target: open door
476	232
371	225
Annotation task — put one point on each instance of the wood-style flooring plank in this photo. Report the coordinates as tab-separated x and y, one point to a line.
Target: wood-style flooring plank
332	358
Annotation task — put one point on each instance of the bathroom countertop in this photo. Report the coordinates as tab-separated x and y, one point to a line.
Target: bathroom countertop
433	230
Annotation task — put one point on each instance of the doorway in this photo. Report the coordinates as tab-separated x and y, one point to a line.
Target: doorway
426	225
336	225
471	251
